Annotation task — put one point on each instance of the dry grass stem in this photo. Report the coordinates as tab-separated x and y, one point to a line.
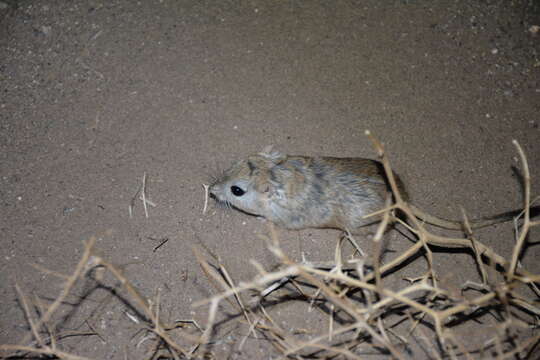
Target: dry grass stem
526	216
205	207
143	195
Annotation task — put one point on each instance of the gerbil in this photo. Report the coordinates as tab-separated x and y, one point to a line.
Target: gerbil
298	192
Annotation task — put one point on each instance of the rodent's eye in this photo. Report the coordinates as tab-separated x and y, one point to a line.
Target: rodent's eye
237	191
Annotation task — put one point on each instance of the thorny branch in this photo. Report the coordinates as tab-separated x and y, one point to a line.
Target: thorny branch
366	323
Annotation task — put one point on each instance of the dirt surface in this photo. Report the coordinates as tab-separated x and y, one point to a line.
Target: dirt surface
95	94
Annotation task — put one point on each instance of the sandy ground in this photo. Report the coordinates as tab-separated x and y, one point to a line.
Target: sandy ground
94	94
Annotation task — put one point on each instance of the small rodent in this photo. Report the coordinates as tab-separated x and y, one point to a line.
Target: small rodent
298	192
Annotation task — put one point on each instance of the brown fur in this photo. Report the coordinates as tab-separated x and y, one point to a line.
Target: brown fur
298	192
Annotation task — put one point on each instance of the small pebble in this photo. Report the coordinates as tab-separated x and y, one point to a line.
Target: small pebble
46	30
67	210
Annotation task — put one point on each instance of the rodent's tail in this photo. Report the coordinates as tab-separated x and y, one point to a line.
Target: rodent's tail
475	223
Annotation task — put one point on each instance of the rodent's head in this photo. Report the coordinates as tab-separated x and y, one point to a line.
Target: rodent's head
248	185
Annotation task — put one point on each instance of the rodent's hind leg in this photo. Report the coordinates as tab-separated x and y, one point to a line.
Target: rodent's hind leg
366	236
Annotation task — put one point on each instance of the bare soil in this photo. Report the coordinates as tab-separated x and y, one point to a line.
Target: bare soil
95	94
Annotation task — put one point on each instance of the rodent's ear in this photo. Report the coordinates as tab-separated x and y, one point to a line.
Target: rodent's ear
263	186
272	154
